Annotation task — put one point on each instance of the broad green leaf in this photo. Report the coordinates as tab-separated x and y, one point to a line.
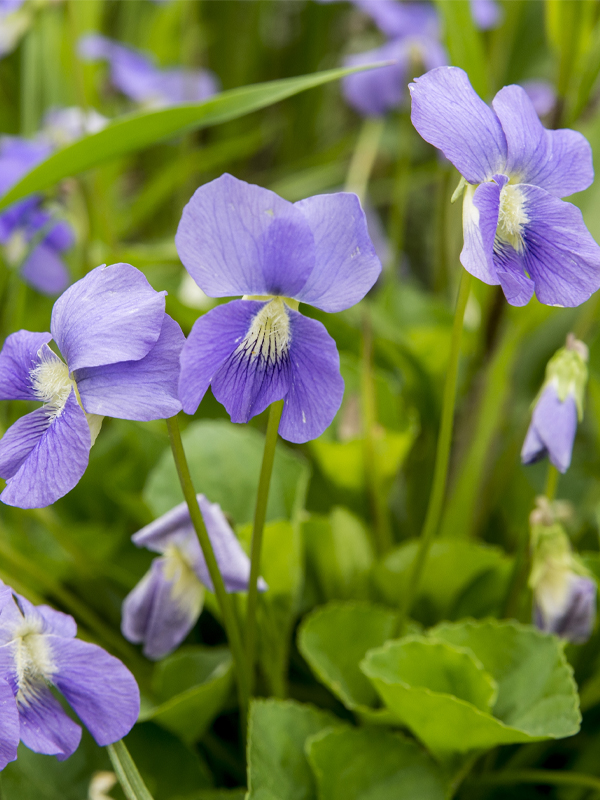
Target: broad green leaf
136	131
536	690
192	686
224	462
451	567
464	43
356	764
339	554
277	765
445	698
335	638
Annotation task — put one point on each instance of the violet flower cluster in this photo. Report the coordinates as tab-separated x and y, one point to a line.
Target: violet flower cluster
120	354
165	605
517	231
238	239
138	78
39	651
33	239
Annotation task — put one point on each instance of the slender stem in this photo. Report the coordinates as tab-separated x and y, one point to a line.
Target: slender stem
223	598
363	157
260	515
377	494
442	457
126	771
551	481
542	777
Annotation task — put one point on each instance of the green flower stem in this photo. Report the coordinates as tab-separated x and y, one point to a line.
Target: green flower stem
442	458
375	488
551	482
363	157
126	771
542	777
224	600
260	515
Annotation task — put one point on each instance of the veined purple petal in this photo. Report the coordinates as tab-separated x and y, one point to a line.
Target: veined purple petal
56	463
518	288
10	728
153	615
111	315
17	358
558	161
213	338
346	264
480	220
257	372
486	14
159	533
236	238
45	727
376	91
20	439
448	114
316	386
45	270
47	618
140	390
560	255
97	686
552	430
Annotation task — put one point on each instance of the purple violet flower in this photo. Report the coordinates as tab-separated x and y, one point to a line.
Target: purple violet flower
38	650
570	613
517	231
121	360
137	77
486	14
165	605
33	240
238	239
542	96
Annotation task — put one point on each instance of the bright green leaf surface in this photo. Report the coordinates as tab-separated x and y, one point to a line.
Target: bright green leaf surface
334	640
139	130
224	462
372	764
193	685
277	765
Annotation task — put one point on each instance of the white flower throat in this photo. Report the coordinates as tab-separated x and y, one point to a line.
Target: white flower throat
52	385
33	659
269	334
512	217
186	589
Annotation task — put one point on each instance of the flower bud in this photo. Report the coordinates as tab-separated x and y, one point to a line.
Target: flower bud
558	407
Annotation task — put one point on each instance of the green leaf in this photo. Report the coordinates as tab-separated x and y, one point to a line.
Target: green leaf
356	764
134	132
224	461
339	554
464	43
445	691
334	639
193	685
451	567
277	765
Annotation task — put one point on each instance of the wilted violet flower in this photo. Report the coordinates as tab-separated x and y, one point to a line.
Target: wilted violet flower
32	238
137	77
38	650
517	231
558	407
563	593
238	239
121	360
165	605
